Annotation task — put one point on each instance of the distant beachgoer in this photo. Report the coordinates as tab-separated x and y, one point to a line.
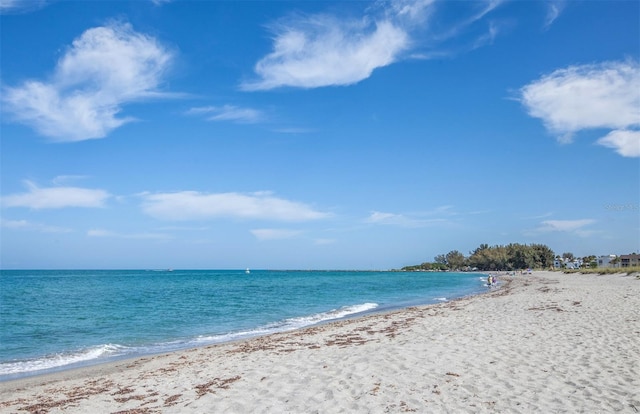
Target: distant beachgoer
489	280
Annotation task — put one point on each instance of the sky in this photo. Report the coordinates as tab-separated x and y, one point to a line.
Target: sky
315	134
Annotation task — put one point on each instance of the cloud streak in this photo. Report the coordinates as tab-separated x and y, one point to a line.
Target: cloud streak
564	225
554	9
604	95
31	226
275	234
21	6
193	205
104	69
401	220
56	197
228	113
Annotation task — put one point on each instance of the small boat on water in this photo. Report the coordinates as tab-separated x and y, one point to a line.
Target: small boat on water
247	271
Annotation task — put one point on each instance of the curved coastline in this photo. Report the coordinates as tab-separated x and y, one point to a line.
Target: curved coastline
112	349
544	342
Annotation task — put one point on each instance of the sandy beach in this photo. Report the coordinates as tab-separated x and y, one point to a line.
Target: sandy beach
546	342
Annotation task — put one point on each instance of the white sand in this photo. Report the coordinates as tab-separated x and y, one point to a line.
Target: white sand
547	343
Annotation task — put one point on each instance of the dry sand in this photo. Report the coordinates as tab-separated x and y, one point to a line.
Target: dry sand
546	342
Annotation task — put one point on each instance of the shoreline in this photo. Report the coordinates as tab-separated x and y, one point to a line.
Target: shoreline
90	365
542	342
108	351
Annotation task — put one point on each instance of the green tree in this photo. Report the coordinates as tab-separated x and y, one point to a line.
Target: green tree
455	260
543	256
511	257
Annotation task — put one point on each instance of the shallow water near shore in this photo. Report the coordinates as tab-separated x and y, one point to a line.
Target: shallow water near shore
58	319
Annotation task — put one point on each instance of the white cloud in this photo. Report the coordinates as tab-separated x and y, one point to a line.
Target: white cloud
324	51
27	225
564	225
105	68
228	113
624	142
275	234
605	95
193	205
56	197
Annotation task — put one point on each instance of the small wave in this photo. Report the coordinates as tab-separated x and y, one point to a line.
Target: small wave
107	351
441	299
295	323
289	324
61	360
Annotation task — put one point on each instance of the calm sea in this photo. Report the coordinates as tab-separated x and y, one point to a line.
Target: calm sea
58	319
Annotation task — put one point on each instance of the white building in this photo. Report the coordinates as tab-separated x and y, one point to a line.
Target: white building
605	261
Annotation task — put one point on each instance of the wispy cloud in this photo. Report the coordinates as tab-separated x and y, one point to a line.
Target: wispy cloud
402	220
319	50
554	9
577	227
228	113
275	234
604	95
489	36
21	6
457	28
105	68
56	197
138	236
193	205
31	226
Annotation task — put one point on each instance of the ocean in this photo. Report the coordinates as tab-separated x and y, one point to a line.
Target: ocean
52	320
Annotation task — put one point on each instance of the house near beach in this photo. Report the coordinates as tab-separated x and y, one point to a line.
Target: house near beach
630	260
607	261
565	263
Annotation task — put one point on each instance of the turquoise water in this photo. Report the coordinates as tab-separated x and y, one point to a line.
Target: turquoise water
58	319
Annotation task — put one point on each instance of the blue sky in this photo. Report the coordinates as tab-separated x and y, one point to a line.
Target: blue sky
315	135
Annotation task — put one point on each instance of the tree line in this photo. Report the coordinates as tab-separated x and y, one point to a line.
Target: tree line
513	256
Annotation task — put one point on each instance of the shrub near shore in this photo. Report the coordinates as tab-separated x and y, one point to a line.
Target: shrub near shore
606	270
511	257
